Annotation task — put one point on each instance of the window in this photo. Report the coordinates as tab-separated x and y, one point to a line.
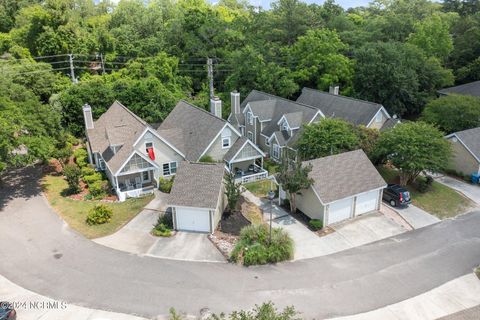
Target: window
276	151
267	143
250	118
285	126
169	168
250	136
148	145
101	163
146	176
378	117
226	142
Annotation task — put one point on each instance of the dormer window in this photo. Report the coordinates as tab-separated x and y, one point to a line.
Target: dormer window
250	118
149	150
225	142
284	126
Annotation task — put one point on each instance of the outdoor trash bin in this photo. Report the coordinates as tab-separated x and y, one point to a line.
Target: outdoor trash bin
475	178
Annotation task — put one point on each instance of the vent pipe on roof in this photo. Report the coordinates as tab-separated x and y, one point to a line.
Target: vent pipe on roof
334	90
87	116
216	106
235	102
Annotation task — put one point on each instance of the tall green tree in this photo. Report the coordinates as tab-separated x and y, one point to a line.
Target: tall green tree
413	148
453	113
293	177
327	137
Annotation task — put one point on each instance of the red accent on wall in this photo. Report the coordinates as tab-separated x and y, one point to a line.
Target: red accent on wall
151	154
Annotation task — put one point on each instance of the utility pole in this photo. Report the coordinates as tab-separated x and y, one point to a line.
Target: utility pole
210	76
72	68
103	63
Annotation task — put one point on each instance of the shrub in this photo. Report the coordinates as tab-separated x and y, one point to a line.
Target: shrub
81	157
99	214
98	189
255	246
207	158
166	219
72	175
316	224
424	183
165	185
270	165
164	226
92	178
87	171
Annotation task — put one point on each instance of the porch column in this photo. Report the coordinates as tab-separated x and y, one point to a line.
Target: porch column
261	161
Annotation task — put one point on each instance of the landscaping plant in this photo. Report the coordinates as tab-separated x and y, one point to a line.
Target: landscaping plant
316	224
293	177
165	185
72	174
164	226
99	214
98	189
254	246
232	191
81	157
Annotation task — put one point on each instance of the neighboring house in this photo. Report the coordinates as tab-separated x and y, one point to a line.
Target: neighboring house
358	112
271	122
345	186
197	197
468	89
198	134
466	151
132	153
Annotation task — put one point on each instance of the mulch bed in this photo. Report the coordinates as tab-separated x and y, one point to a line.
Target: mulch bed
233	222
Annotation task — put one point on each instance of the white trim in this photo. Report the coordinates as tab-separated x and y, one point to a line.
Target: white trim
186	207
288	124
149	176
357	194
155	133
264	120
379	110
169	168
229	142
245	110
463	144
133	172
262	154
273	151
244	159
265	135
315	115
227	124
130	157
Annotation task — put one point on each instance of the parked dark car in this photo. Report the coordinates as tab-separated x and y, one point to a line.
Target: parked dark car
396	195
7	312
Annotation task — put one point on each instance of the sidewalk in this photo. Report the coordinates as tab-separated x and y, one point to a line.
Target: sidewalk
451	297
31	306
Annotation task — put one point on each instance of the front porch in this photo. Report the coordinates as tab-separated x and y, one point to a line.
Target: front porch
249	171
135	184
245	161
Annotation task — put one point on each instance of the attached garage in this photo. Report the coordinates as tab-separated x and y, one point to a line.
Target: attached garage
345	185
192	219
197	197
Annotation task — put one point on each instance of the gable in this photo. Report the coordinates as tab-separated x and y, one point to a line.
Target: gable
136	163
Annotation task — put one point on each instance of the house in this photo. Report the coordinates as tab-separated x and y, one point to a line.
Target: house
271	122
198	134
357	112
468	89
344	186
197	197
130	152
135	156
466	151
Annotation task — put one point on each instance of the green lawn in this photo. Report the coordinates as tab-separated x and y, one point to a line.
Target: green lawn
439	200
74	212
261	188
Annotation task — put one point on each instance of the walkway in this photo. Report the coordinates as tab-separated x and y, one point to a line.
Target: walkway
416	217
47	257
469	190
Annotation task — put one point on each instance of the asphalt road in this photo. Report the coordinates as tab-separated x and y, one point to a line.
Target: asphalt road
41	253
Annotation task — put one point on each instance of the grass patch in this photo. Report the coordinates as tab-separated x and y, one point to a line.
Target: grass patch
260	188
439	200
75	212
251	212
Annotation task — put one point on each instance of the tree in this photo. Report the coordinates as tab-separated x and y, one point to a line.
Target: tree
399	76
233	191
319	60
72	174
293	177
414	147
327	137
432	35
453	113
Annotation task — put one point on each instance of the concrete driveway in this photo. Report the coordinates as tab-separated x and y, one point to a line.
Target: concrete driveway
416	217
135	238
469	190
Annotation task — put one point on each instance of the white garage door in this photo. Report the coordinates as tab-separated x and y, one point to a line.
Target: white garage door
193	219
339	210
366	202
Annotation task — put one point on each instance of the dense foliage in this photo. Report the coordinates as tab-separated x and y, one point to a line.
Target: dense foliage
99	214
413	148
148	55
255	246
293	176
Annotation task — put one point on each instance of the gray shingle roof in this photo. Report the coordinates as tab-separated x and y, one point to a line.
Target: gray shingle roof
116	126
358	112
294	119
235	148
190	129
471	138
468	89
197	185
343	175
390	123
267	104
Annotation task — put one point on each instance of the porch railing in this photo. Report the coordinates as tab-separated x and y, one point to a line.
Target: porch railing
261	174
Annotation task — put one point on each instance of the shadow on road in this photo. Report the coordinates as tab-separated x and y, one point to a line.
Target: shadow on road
20	183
